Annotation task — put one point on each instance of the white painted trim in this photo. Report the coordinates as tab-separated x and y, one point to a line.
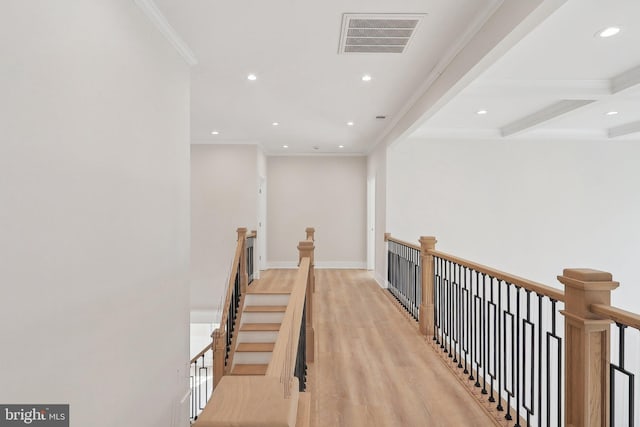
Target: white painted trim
316	154
625	129
440	67
281	265
626	80
381	281
339	265
508	24
160	21
320	265
553	111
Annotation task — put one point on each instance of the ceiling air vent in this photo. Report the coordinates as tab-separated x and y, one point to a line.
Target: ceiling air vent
377	33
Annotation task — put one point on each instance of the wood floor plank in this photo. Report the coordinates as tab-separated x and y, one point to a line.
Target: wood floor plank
249	369
372	368
273	282
255	347
247	327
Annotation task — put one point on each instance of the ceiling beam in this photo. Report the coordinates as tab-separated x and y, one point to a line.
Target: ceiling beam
626	80
482	46
625	129
558	89
551	112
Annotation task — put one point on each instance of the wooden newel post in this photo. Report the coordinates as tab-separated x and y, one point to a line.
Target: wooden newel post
244	275
427	326
219	354
587	338
310	233
306	249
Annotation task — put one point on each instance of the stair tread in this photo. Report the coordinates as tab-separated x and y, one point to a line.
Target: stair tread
255	346
249	369
260	327
265	308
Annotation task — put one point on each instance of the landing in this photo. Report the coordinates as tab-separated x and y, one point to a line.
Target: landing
273	282
372	367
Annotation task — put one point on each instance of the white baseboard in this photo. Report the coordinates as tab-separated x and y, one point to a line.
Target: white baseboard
285	265
350	265
381	281
322	265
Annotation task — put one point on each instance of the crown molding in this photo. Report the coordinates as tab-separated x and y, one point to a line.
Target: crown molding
160	21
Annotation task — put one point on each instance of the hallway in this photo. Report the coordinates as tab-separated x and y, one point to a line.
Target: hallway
372	368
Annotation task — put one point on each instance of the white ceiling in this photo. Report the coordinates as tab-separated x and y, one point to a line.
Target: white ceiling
561	59
303	83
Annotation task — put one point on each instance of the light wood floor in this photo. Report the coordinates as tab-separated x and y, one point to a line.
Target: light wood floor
273	282
372	367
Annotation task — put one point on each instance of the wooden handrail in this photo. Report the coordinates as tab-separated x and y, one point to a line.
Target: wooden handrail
286	345
388	238
232	278
253	233
617	315
202	352
539	288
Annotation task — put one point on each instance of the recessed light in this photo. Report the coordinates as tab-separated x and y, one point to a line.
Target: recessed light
349	123
285	146
366	78
275	124
252	77
608	32
612	113
481	112
340	146
215	132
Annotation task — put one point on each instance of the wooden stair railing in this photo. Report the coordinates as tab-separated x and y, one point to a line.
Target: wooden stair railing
224	339
273	399
200	379
500	333
204	377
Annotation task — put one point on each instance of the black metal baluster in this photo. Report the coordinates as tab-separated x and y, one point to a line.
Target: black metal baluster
552	335
540	301
454	311
527	322
509	392
450	307
492	374
478	319
620	367
501	345
474	329
484	333
517	357
436	300
467	324
460	317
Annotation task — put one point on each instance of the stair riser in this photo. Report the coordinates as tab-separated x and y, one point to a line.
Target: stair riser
252	357
266	299
257	336
264	317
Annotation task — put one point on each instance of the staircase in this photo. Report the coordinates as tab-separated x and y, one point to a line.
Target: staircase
262	315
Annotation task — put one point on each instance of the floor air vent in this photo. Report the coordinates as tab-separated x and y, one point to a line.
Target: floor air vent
377	33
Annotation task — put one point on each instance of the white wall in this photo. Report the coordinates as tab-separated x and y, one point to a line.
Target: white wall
223	198
529	208
377	169
94	185
327	193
